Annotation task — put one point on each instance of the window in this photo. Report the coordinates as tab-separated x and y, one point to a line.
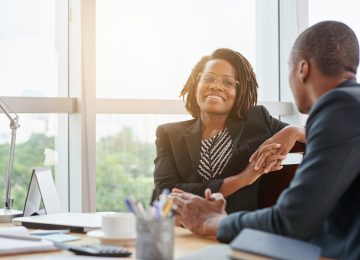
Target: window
125	156
146	50
34	63
346	12
38	144
296	16
33	48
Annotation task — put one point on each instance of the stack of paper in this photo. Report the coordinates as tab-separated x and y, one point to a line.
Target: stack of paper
16	240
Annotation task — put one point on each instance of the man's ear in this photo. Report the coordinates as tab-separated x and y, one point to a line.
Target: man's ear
303	70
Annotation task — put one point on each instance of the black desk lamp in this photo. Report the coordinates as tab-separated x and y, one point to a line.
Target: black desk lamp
7	214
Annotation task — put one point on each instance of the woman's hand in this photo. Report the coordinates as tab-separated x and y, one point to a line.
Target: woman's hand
248	176
279	144
251	174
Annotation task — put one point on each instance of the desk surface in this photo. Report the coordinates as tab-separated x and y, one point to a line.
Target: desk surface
185	243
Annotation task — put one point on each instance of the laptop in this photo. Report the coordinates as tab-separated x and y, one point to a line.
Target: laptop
42	189
75	222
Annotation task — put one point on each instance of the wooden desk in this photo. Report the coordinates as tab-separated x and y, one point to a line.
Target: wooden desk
185	243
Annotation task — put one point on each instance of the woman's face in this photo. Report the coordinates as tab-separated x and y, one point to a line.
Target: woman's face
216	88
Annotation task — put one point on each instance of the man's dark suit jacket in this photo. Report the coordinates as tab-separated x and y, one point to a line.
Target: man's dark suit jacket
178	154
321	204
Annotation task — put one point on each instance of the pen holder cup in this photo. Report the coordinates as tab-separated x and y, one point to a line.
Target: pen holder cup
155	238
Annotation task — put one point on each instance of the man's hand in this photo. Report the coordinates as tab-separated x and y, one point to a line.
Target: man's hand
251	175
201	216
279	144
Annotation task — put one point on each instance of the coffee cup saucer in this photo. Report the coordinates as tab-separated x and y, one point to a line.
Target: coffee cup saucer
119	240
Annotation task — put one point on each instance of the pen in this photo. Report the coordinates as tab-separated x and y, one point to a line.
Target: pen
132	206
129	205
20	237
141	209
163	198
167	207
157	209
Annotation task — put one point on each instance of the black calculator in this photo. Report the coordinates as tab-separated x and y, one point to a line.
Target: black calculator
96	250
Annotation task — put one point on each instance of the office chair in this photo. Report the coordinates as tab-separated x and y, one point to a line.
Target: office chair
272	184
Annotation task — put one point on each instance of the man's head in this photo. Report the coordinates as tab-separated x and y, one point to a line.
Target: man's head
322	57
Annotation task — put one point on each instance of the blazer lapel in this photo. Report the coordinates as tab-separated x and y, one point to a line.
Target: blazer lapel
193	141
236	129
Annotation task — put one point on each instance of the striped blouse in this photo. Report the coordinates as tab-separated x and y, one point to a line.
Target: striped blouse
215	153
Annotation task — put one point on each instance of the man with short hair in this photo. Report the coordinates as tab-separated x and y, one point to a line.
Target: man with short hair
321	204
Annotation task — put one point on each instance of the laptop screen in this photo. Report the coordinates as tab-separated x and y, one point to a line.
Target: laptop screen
42	188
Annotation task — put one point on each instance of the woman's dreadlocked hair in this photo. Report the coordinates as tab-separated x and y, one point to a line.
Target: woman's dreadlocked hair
246	92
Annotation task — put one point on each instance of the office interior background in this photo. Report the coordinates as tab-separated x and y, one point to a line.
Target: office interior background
91	80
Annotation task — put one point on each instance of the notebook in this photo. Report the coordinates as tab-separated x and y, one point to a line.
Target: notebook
21	244
76	222
255	244
218	252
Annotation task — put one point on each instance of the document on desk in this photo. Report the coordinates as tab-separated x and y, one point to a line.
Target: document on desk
16	240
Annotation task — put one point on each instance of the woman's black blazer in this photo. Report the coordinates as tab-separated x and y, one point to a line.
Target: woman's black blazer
178	153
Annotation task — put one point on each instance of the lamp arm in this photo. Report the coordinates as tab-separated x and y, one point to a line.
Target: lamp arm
14	125
7	112
8	200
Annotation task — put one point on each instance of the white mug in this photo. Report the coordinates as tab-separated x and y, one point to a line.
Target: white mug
118	225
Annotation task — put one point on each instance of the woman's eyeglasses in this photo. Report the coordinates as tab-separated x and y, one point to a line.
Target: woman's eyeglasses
210	78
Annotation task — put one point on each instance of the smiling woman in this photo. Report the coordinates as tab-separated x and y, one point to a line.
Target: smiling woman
213	149
144	53
216	96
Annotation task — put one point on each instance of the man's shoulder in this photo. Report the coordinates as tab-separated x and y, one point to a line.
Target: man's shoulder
338	97
336	108
349	91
